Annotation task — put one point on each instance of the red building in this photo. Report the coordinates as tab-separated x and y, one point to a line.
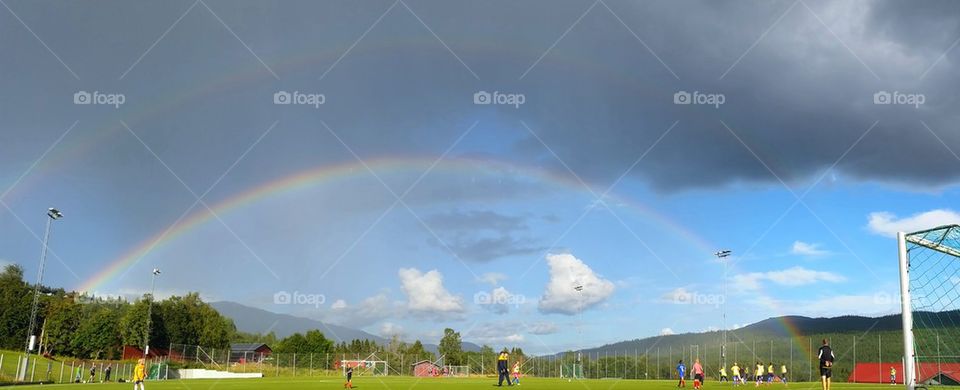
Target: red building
927	373
249	352
425	368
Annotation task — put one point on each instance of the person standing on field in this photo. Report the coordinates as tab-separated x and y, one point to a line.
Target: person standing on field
139	375
681	372
759	374
106	372
503	368
697	374
783	374
825	354
736	374
516	373
723	374
893	375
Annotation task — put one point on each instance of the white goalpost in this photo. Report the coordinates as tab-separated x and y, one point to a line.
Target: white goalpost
372	365
461	371
930	305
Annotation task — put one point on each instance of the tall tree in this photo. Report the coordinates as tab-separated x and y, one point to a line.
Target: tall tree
14	308
62	320
451	347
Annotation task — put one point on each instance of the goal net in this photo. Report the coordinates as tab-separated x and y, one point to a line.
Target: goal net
571	370
930	306
365	367
456	370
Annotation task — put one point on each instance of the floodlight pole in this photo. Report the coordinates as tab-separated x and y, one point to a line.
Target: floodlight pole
52	215
579	289
722	255
146	336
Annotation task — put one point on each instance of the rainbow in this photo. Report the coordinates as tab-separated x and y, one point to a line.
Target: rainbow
326	174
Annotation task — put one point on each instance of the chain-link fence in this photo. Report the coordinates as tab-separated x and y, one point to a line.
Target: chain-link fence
72	370
657	361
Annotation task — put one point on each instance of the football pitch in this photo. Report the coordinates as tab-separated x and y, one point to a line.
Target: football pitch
407	383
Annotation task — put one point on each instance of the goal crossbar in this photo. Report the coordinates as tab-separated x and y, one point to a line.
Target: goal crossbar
940	234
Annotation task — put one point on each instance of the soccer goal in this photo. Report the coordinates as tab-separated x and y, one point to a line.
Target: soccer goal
461	371
930	306
365	367
571	370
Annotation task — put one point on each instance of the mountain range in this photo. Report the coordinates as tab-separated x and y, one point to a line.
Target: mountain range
253	320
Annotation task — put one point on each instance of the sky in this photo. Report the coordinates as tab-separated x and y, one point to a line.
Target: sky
402	166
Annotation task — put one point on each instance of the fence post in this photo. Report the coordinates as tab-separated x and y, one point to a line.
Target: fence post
61	372
294	364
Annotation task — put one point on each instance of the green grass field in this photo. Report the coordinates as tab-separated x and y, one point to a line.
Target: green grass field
407	383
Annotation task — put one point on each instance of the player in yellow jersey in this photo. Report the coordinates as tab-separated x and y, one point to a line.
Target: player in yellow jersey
736	374
139	375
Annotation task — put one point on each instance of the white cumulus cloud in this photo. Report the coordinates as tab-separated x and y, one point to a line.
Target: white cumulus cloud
567	272
887	224
339	304
426	294
666	332
807	249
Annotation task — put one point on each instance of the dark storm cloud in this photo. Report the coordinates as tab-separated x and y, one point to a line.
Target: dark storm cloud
481	235
798	80
476	219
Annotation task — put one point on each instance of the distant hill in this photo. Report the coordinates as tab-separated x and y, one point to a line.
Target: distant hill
780	328
253	320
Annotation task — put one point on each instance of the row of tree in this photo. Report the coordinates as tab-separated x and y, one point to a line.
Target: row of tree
69	324
75	325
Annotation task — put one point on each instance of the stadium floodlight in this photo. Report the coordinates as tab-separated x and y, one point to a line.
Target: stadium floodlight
579	362
52	215
929	298
146	334
723	254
